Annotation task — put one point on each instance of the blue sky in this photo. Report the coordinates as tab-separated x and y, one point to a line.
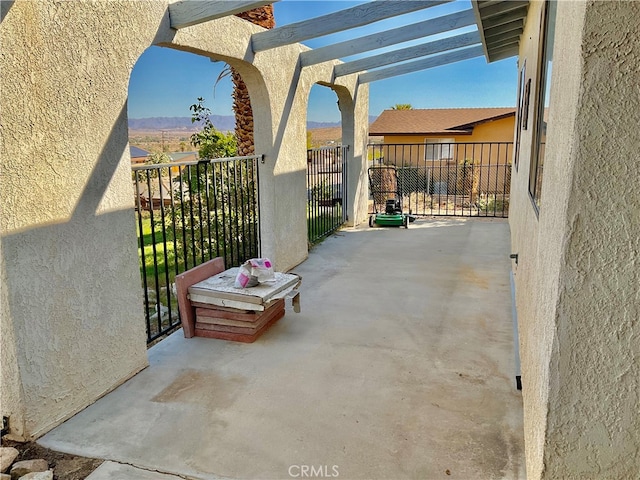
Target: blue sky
165	82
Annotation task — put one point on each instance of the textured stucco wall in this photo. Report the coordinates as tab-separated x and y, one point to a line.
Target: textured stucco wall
72	319
71	293
534	285
577	277
594	392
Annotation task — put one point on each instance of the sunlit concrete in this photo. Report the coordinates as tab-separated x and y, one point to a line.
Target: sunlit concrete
400	365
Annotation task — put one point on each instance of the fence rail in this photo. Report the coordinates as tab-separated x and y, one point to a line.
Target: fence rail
326	191
188	213
458	179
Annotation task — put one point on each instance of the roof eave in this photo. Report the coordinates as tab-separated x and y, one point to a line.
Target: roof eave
500	24
485	120
415	134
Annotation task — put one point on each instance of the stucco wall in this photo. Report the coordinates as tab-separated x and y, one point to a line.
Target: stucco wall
72	294
72	317
577	276
500	130
535	334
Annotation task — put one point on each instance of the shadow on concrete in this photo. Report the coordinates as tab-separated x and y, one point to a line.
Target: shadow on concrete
400	365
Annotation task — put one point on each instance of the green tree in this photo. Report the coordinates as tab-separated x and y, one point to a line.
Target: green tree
210	142
213	206
157	159
402	106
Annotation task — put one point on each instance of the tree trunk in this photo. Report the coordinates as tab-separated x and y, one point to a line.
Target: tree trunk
262	16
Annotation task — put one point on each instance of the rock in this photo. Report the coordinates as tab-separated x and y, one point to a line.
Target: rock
5	476
46	475
23	467
7	457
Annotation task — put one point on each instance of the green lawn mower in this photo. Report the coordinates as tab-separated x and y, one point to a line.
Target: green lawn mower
384	188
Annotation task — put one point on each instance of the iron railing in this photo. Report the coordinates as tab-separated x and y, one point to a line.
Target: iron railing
458	179
188	213
326	191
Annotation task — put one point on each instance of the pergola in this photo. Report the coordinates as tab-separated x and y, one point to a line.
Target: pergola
499	24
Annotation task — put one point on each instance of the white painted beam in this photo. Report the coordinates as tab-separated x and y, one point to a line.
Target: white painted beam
357	16
424	64
510	27
418	51
389	37
476	12
504	19
499	37
192	12
504	7
504	54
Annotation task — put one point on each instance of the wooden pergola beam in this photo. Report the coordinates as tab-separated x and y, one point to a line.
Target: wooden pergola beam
503	7
417	51
357	16
424	64
387	38
186	13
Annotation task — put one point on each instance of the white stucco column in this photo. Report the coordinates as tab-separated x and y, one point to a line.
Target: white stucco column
72	313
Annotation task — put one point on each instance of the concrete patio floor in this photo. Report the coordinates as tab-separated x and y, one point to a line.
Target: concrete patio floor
400	365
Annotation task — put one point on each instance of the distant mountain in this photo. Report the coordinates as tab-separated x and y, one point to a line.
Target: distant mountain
224	123
311	124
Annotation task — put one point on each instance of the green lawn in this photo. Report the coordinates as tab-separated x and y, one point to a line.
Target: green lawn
159	264
325	221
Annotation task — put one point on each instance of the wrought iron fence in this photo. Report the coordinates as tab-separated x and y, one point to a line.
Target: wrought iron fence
188	213
326	191
458	179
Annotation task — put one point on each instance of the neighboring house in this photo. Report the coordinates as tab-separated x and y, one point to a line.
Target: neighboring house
445	125
138	155
162	189
183	156
441	139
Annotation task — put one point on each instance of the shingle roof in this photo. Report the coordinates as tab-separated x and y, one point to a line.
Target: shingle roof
436	121
135	152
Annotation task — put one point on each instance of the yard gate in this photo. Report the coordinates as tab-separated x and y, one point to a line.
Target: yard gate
456	179
326	191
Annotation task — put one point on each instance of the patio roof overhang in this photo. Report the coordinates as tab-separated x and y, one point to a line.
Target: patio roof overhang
499	24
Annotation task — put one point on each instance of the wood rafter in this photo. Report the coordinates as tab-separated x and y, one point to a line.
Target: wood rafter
186	13
500	23
357	16
389	37
418	51
424	64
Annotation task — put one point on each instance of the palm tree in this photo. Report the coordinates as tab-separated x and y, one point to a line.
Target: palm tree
262	16
402	106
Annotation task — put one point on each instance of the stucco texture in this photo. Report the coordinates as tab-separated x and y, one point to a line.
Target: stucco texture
594	391
72	316
577	277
